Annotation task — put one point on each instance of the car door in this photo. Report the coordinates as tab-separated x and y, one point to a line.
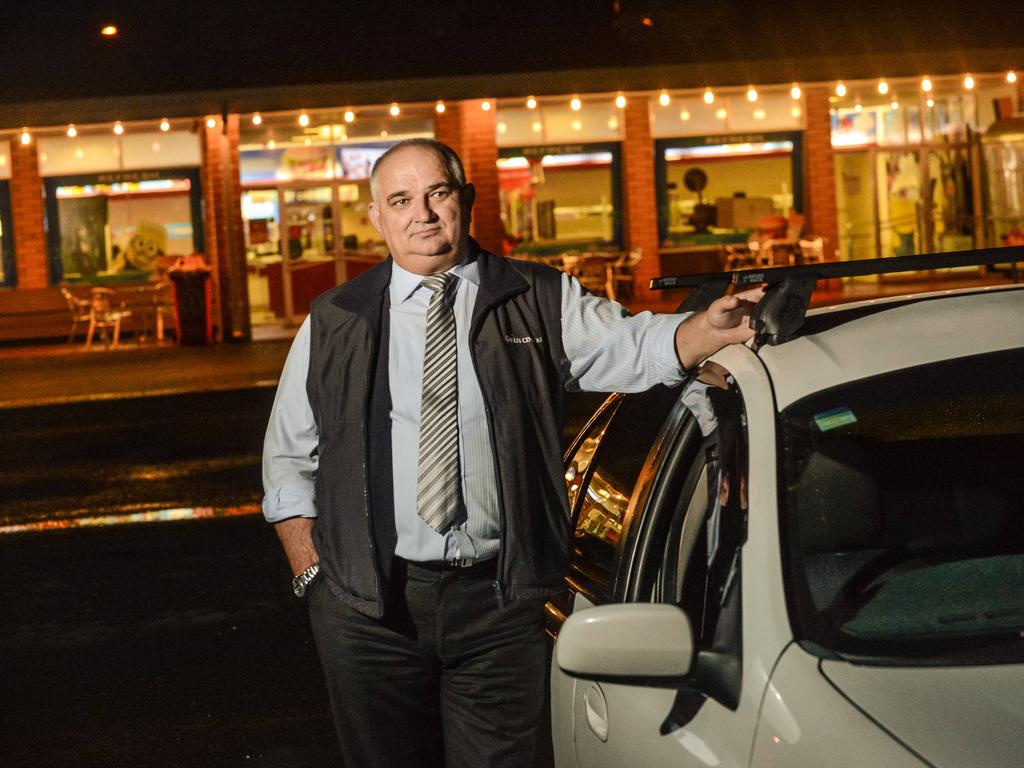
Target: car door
682	540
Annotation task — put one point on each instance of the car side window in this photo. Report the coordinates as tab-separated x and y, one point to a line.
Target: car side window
700	567
577	466
605	495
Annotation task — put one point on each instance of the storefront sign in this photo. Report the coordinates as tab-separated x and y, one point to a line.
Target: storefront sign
126	177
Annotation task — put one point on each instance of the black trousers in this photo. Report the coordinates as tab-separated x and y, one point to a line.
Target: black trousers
447	678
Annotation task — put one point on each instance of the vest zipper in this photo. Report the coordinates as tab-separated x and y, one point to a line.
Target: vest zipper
370	372
498	587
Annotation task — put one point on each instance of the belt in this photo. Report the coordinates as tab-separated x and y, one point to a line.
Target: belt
465	566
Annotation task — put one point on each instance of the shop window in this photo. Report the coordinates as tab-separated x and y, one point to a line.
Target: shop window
98	152
560	197
693	116
551	123
1003	148
8	277
714	190
122	225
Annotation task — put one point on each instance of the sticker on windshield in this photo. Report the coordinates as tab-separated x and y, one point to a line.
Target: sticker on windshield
837	417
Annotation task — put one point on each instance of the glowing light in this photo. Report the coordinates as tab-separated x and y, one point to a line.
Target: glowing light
926	85
760	114
303	119
883	87
840	89
502	127
575	104
485	105
895	104
439	107
613	123
968	82
795	91
110	30
1011	76
664	99
118	128
930	103
858	108
531	103
395	110
165	125
536	127
257	119
709	96
796	111
620	101
72	131
210	123
577	125
721	114
383	134
271	144
350	116
26	137
751	94
684	115
308	142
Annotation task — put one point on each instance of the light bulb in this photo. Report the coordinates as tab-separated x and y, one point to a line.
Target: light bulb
531	103
795	91
118	128
439	107
751	94
395	110
840	89
620	101
303	119
664	99
72	131
165	125
883	87
257	119
709	96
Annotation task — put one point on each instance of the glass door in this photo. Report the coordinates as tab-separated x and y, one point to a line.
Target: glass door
291	240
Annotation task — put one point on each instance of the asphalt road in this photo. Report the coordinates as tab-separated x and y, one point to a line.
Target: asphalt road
157	644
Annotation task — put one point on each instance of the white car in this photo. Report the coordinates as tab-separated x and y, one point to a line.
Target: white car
814	556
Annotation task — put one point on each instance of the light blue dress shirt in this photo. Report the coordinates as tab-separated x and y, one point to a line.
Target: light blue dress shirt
607	350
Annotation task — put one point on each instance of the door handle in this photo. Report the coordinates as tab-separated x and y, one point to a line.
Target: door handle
597	711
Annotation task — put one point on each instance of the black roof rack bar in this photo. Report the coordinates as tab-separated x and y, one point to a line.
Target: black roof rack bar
833	269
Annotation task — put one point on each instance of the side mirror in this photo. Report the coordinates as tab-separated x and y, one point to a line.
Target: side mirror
649	641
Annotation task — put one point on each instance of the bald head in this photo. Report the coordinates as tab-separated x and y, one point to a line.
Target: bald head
449	159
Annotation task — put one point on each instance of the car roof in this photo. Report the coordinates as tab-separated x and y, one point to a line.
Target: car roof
854	341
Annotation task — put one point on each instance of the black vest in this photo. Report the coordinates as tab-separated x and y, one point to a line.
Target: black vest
516	347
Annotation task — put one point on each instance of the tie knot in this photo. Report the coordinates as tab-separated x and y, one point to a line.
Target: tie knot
435	283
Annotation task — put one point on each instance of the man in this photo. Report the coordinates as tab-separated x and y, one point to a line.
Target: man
412	467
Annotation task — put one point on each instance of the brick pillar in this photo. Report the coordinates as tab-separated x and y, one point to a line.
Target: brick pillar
225	245
27	213
640	214
819	171
470	131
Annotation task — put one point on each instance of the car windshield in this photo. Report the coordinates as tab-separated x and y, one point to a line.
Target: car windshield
902	514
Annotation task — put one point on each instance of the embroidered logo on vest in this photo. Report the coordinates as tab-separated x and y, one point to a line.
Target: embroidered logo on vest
524	339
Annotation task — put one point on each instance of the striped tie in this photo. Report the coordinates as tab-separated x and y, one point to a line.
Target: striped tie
438	479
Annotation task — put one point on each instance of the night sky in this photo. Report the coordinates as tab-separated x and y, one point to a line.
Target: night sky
53	50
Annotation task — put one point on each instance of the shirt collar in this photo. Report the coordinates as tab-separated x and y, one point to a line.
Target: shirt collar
404	283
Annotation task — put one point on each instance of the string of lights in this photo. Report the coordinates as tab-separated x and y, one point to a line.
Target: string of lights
664	97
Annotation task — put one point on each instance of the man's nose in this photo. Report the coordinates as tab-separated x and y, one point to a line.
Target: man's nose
424	211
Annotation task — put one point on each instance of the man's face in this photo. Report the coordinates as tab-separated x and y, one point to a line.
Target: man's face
422	216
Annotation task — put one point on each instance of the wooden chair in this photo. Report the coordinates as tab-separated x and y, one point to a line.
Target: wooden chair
620	275
592	270
80	310
104	316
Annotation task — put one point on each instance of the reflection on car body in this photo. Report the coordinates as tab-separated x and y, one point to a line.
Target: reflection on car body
813	554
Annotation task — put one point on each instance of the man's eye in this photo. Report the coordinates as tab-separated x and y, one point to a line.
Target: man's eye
440	193
399	202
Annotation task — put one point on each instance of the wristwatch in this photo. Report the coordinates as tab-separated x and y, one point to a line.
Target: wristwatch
304	579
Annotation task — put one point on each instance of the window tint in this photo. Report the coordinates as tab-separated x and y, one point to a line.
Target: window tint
619	459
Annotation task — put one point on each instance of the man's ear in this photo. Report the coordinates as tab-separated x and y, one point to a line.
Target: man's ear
467	195
375	216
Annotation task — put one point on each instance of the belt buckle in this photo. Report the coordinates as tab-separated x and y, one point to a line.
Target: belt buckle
464	562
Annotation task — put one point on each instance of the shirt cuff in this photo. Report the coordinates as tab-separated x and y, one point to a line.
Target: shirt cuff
664	358
286	501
